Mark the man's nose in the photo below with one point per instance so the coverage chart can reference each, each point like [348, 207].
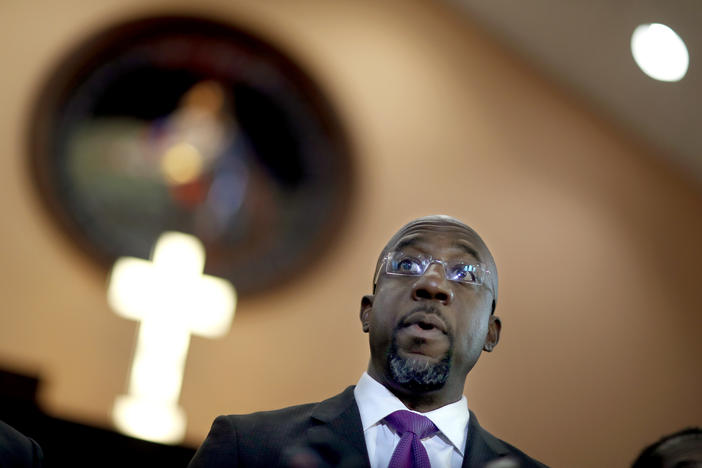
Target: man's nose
[433, 285]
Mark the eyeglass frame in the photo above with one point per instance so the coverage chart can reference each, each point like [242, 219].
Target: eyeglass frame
[426, 261]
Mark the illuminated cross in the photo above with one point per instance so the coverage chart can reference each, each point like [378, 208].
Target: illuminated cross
[172, 299]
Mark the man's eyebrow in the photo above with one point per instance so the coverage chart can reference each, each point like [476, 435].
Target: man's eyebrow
[410, 241]
[407, 242]
[469, 250]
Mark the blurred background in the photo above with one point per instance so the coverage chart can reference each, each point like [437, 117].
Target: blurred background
[331, 125]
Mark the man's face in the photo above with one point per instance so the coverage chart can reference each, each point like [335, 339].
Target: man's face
[427, 331]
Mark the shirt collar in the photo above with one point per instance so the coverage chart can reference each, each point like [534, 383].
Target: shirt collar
[375, 402]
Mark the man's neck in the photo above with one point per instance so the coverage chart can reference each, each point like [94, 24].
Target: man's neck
[422, 402]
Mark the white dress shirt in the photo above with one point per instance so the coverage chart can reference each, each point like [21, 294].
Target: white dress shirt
[375, 402]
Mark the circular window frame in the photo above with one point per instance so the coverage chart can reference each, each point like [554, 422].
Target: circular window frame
[73, 68]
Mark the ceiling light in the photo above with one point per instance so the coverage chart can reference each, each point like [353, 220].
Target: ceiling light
[659, 52]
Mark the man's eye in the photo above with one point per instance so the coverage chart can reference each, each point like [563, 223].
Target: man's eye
[463, 272]
[408, 265]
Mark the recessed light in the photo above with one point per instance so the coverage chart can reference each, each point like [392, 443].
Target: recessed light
[659, 52]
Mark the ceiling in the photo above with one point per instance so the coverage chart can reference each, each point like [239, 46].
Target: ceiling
[585, 46]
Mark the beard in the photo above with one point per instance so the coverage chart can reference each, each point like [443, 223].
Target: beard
[418, 375]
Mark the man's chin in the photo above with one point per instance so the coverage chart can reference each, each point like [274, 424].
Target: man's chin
[417, 372]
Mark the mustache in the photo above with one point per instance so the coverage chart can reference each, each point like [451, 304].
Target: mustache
[427, 309]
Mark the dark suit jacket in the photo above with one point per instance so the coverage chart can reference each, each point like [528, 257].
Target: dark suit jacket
[270, 438]
[17, 450]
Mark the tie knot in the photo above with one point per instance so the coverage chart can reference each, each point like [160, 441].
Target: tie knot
[406, 421]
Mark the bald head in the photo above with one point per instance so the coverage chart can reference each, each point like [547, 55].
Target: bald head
[443, 224]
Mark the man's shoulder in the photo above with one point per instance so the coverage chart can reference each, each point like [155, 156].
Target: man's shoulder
[481, 443]
[259, 439]
[290, 414]
[265, 418]
[525, 461]
[16, 449]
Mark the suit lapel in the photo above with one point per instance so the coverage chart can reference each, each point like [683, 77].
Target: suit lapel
[340, 416]
[481, 446]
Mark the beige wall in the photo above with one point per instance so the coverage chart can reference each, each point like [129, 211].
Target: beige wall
[598, 245]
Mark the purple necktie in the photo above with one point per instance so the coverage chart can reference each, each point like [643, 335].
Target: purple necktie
[412, 427]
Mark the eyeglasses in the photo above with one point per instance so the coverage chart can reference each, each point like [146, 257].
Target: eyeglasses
[402, 264]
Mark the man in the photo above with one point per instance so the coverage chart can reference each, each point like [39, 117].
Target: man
[430, 316]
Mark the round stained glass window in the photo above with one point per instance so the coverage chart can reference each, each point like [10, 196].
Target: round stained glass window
[191, 125]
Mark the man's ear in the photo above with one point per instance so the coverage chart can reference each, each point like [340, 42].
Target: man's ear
[493, 334]
[366, 307]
